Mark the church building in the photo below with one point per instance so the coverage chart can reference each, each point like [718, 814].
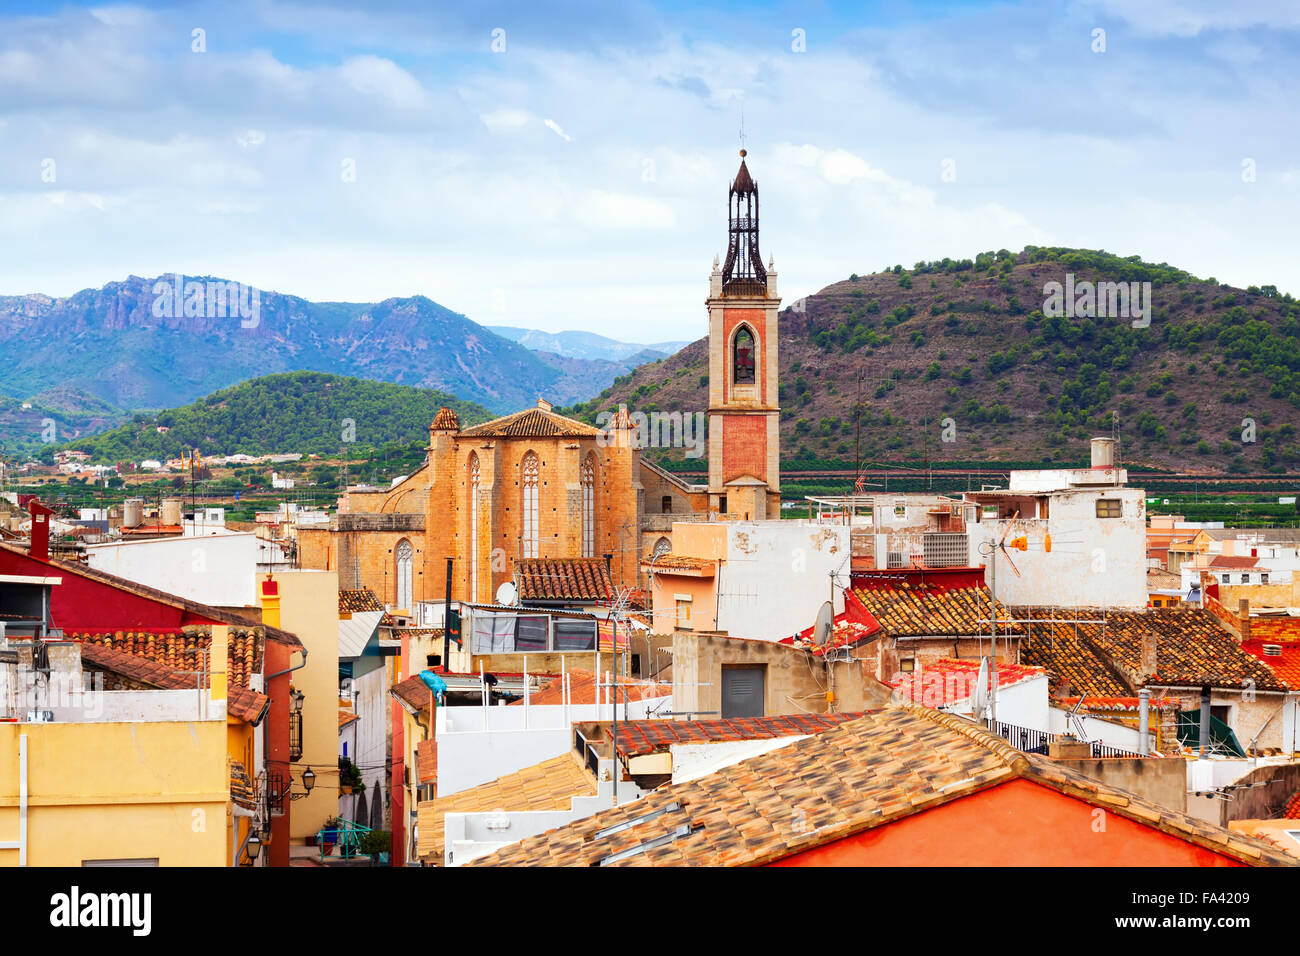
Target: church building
[539, 496]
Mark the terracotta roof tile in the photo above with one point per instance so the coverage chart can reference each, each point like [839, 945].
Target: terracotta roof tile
[949, 681]
[1105, 660]
[926, 611]
[563, 579]
[134, 667]
[862, 774]
[246, 705]
[550, 785]
[637, 737]
[446, 420]
[241, 786]
[414, 693]
[184, 649]
[356, 600]
[1233, 562]
[346, 717]
[532, 423]
[1285, 664]
[426, 761]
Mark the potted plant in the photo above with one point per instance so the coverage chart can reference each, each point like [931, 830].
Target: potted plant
[375, 845]
[330, 834]
[350, 777]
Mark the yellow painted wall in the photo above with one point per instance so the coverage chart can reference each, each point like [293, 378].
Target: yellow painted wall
[309, 608]
[118, 790]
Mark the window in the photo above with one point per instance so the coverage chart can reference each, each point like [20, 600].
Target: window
[473, 526]
[530, 470]
[900, 509]
[589, 507]
[684, 614]
[722, 504]
[1263, 579]
[743, 358]
[666, 504]
[1225, 578]
[907, 665]
[405, 559]
[1109, 508]
[1245, 579]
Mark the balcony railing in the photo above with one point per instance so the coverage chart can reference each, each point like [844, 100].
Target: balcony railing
[1037, 741]
[295, 736]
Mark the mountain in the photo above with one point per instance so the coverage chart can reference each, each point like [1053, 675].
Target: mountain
[968, 340]
[133, 347]
[287, 412]
[587, 345]
[57, 414]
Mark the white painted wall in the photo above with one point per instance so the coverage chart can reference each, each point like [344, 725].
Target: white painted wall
[1094, 562]
[776, 576]
[477, 745]
[692, 761]
[215, 569]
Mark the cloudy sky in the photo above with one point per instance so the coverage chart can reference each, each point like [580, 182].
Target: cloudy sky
[568, 170]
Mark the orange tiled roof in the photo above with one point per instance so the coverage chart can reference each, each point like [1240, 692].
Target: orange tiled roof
[1233, 562]
[346, 717]
[357, 600]
[550, 785]
[134, 667]
[1104, 660]
[676, 562]
[583, 690]
[414, 693]
[183, 649]
[241, 786]
[1292, 809]
[533, 423]
[244, 704]
[864, 774]
[446, 421]
[1285, 665]
[949, 680]
[426, 761]
[562, 579]
[649, 736]
[923, 611]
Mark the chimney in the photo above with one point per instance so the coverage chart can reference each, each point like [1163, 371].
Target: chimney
[1205, 723]
[40, 546]
[1148, 667]
[1243, 615]
[1069, 747]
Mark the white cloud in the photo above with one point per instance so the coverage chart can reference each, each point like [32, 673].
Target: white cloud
[604, 210]
[505, 119]
[555, 128]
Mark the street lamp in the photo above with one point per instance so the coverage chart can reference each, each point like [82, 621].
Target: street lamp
[296, 697]
[308, 779]
[253, 847]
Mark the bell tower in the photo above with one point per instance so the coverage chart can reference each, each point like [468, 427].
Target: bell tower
[744, 414]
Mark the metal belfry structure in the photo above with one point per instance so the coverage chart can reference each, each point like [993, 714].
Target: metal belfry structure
[743, 272]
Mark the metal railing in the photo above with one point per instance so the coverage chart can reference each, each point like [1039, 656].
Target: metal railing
[347, 836]
[1037, 741]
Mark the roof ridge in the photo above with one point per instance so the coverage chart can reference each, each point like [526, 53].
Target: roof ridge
[1013, 758]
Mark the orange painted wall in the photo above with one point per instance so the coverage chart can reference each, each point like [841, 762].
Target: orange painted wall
[1016, 824]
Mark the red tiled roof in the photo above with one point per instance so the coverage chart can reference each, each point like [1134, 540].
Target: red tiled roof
[648, 736]
[949, 681]
[426, 761]
[414, 692]
[355, 600]
[1285, 665]
[533, 423]
[905, 611]
[446, 420]
[134, 667]
[244, 704]
[183, 650]
[583, 690]
[1232, 561]
[863, 774]
[346, 717]
[1292, 809]
[562, 579]
[670, 563]
[1105, 660]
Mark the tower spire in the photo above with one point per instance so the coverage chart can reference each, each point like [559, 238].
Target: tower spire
[743, 273]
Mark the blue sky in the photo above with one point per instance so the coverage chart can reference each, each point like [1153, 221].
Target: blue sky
[576, 178]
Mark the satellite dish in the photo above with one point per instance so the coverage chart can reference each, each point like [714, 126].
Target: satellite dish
[980, 699]
[508, 594]
[825, 622]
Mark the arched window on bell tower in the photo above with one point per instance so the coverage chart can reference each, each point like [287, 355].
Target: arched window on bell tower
[589, 507]
[530, 476]
[475, 477]
[742, 357]
[405, 560]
